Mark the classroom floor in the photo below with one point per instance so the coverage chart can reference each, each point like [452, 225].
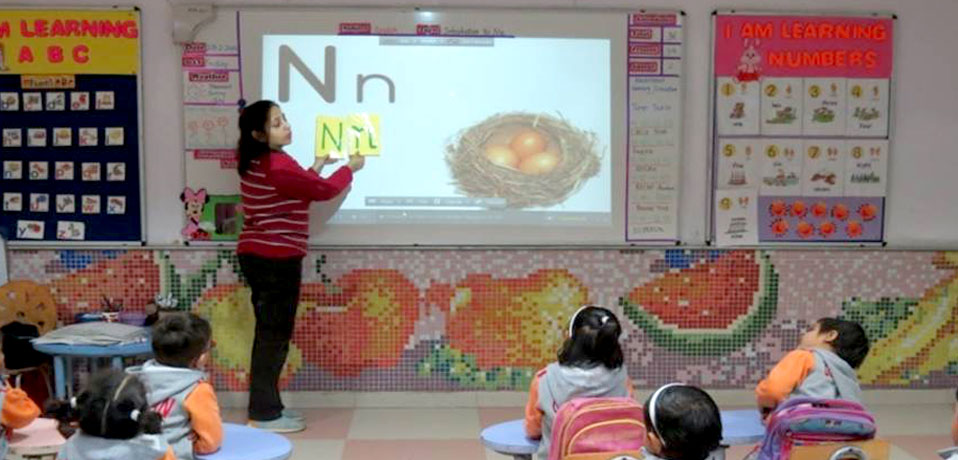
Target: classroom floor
[916, 432]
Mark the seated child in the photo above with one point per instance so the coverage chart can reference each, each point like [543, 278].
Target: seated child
[682, 423]
[823, 366]
[115, 421]
[590, 365]
[177, 388]
[17, 410]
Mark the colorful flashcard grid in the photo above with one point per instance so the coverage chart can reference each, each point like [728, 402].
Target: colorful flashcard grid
[801, 119]
[29, 185]
[654, 122]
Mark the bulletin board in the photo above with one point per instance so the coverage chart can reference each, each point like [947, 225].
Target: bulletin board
[800, 128]
[223, 68]
[70, 119]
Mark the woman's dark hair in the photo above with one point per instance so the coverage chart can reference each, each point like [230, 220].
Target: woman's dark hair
[112, 406]
[687, 421]
[594, 340]
[253, 117]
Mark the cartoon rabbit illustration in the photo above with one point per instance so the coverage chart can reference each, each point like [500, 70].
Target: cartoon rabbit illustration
[750, 64]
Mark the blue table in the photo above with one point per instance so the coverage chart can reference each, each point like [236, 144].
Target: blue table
[739, 427]
[241, 442]
[63, 354]
[509, 438]
[742, 427]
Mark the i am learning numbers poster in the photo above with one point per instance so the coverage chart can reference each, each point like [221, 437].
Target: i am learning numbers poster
[801, 127]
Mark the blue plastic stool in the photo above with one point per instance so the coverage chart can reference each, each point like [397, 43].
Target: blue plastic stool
[241, 442]
[63, 354]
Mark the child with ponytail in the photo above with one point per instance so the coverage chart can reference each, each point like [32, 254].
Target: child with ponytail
[114, 421]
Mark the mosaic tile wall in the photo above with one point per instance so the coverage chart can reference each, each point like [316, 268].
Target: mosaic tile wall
[468, 320]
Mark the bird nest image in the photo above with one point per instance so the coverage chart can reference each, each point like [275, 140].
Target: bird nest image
[526, 159]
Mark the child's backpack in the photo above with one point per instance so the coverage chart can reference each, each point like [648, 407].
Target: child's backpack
[803, 421]
[598, 429]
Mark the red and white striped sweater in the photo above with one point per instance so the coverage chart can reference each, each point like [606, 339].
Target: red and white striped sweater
[277, 192]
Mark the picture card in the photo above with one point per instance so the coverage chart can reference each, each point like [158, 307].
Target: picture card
[30, 229]
[66, 204]
[73, 231]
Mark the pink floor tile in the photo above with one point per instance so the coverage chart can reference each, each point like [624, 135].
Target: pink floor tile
[921, 446]
[326, 423]
[414, 450]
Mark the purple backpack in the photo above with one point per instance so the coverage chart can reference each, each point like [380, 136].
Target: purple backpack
[814, 421]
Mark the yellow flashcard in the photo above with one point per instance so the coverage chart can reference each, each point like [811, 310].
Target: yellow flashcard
[329, 137]
[364, 134]
[355, 134]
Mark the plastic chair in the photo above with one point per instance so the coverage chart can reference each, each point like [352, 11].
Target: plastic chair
[39, 440]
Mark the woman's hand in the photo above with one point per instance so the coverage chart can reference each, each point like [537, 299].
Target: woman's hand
[322, 161]
[356, 162]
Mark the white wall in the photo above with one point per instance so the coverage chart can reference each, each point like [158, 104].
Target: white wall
[921, 207]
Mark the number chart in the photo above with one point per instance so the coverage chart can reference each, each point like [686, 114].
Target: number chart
[800, 128]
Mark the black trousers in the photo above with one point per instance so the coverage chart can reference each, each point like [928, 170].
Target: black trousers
[275, 287]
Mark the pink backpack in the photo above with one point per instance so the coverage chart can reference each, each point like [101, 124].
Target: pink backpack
[814, 421]
[598, 429]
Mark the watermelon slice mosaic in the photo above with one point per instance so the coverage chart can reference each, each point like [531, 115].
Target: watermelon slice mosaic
[487, 319]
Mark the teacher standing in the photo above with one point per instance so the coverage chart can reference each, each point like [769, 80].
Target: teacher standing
[276, 197]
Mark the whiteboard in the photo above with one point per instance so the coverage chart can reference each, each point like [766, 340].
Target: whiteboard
[208, 167]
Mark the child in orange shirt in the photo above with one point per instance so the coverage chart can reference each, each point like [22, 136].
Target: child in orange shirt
[823, 366]
[115, 421]
[177, 387]
[590, 365]
[17, 410]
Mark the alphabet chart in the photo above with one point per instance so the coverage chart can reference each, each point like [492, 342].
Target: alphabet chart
[69, 112]
[800, 128]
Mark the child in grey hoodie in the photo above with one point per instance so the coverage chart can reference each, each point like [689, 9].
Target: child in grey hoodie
[682, 422]
[823, 366]
[115, 421]
[590, 365]
[177, 386]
